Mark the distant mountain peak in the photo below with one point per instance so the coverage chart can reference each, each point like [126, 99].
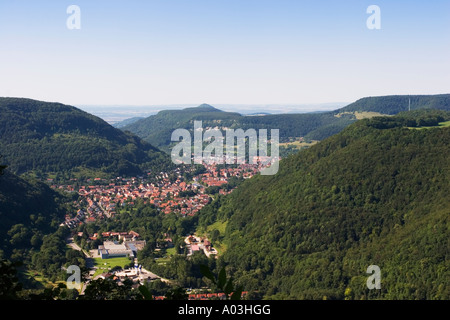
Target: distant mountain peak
[206, 106]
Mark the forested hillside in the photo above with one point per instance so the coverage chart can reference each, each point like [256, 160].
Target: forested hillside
[47, 137]
[28, 211]
[31, 239]
[395, 104]
[375, 194]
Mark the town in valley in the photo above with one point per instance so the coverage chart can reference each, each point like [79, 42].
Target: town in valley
[183, 191]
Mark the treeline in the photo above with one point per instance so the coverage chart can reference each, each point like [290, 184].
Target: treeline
[413, 119]
[367, 196]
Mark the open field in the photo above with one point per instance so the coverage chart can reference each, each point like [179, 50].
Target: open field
[104, 265]
[298, 144]
[171, 251]
[363, 114]
[219, 225]
[444, 124]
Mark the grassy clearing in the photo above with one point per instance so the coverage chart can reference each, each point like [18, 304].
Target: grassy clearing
[219, 225]
[363, 115]
[221, 247]
[299, 144]
[104, 265]
[218, 244]
[171, 251]
[32, 279]
[440, 125]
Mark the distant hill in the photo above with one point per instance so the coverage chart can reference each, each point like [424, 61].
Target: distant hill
[375, 194]
[257, 114]
[394, 104]
[126, 122]
[203, 108]
[157, 129]
[43, 137]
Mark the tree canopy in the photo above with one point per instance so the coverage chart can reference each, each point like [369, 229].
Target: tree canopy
[375, 194]
[47, 138]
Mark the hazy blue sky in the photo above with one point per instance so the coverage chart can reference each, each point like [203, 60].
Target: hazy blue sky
[222, 52]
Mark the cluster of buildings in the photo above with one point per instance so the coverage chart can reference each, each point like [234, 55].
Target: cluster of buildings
[194, 243]
[114, 249]
[102, 198]
[120, 244]
[204, 296]
[137, 274]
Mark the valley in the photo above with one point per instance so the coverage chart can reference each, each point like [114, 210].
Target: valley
[338, 203]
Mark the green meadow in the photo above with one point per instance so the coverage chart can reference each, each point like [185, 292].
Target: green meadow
[104, 265]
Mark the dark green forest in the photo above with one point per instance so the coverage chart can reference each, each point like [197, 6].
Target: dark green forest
[43, 138]
[375, 194]
[30, 214]
[28, 210]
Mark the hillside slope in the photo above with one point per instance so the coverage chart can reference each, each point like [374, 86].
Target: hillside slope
[51, 137]
[28, 210]
[375, 194]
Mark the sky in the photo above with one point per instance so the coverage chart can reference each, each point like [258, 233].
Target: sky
[165, 52]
